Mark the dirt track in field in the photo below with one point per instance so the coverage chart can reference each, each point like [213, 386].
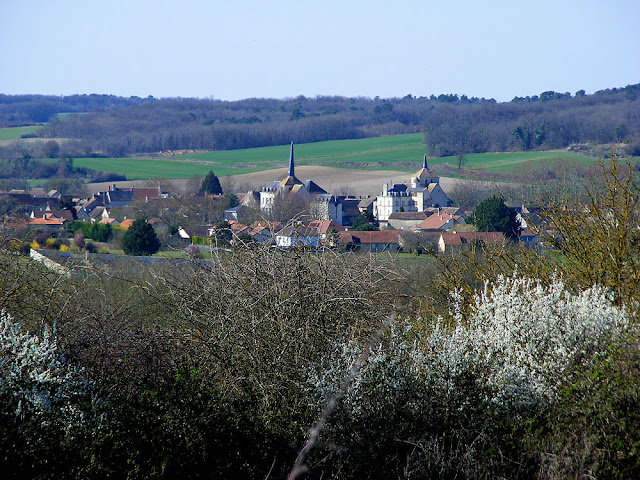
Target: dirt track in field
[338, 181]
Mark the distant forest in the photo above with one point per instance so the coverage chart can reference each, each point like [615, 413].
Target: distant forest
[116, 126]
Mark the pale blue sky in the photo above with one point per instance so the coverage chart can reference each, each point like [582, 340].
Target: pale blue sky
[271, 48]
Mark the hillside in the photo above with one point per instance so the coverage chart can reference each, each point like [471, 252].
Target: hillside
[452, 124]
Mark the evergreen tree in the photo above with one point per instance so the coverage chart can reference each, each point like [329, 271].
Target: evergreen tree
[211, 184]
[140, 239]
[233, 200]
[493, 215]
[365, 222]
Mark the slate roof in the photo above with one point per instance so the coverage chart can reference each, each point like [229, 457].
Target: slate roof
[119, 196]
[313, 188]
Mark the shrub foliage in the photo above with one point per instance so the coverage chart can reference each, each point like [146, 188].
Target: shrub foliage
[503, 363]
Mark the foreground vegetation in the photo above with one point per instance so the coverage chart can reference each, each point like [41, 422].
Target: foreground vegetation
[494, 363]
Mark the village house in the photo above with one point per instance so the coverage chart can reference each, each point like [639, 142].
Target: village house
[440, 221]
[297, 236]
[116, 197]
[375, 241]
[67, 215]
[406, 220]
[449, 242]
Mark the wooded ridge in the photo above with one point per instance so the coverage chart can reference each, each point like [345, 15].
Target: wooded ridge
[452, 124]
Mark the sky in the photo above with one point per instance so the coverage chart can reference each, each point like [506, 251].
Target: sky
[239, 49]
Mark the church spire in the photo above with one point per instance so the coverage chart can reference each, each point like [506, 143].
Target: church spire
[424, 163]
[291, 166]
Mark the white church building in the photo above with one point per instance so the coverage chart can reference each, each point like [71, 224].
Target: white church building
[321, 204]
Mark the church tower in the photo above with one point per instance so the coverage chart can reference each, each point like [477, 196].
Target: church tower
[424, 177]
[291, 175]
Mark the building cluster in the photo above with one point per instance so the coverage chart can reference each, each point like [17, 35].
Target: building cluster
[412, 216]
[401, 210]
[39, 209]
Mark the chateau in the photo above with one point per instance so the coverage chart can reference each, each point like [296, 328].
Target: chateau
[423, 192]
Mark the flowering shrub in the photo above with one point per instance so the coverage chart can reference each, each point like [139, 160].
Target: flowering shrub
[527, 335]
[34, 373]
[520, 337]
[440, 385]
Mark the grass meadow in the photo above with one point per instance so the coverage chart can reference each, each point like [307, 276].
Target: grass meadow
[14, 133]
[397, 152]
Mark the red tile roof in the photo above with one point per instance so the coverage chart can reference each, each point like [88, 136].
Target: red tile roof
[46, 221]
[437, 222]
[141, 194]
[325, 226]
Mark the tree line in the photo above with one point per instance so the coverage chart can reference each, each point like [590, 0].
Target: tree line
[18, 110]
[452, 124]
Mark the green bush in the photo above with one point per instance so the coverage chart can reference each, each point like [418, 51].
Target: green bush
[99, 232]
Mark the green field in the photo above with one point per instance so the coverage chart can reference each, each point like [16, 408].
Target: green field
[397, 152]
[13, 133]
[138, 168]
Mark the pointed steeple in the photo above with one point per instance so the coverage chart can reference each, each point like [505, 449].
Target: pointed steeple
[424, 163]
[291, 176]
[291, 165]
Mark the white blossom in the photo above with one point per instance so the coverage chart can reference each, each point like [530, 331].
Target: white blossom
[34, 373]
[518, 343]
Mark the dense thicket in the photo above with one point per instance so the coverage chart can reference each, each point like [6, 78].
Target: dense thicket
[452, 124]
